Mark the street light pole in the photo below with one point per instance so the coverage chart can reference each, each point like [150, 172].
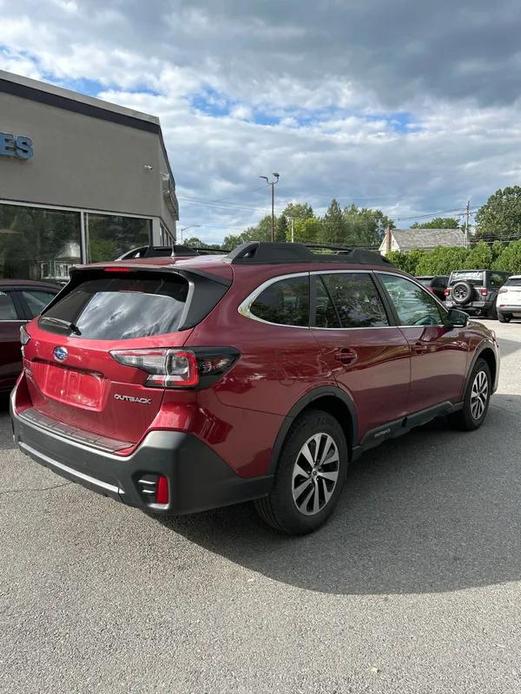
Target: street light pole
[192, 226]
[272, 183]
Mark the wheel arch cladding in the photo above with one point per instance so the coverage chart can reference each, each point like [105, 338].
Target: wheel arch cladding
[331, 400]
[488, 355]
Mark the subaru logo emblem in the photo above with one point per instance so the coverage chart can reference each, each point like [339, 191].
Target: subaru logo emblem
[60, 353]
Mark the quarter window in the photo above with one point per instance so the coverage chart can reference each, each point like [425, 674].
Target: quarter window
[413, 305]
[285, 302]
[356, 300]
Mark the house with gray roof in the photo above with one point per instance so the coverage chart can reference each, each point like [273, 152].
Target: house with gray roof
[421, 239]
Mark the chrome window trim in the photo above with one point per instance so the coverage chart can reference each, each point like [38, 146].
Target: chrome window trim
[244, 308]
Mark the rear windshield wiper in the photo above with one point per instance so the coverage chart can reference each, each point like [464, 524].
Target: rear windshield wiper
[59, 321]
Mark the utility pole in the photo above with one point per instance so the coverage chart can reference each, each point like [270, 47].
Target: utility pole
[292, 229]
[182, 229]
[467, 216]
[272, 183]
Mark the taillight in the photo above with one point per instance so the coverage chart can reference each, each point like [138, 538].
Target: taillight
[178, 368]
[446, 292]
[503, 290]
[483, 291]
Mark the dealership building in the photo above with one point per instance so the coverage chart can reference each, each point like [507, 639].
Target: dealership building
[81, 180]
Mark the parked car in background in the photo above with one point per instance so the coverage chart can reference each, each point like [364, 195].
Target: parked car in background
[475, 291]
[509, 300]
[20, 300]
[182, 384]
[436, 284]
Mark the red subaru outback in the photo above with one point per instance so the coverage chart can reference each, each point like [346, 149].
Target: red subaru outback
[181, 385]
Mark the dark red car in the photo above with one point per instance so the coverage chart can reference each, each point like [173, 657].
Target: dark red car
[20, 300]
[182, 385]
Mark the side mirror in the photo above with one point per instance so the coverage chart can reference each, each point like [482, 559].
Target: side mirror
[457, 318]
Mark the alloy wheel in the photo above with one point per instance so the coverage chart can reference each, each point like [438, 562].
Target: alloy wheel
[479, 395]
[315, 474]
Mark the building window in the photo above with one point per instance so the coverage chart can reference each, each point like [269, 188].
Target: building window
[109, 236]
[37, 243]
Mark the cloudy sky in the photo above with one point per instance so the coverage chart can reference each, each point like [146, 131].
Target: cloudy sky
[412, 107]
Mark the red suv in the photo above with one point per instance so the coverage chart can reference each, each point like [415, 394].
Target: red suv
[177, 385]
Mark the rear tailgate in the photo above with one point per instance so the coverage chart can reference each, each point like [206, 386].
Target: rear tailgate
[71, 374]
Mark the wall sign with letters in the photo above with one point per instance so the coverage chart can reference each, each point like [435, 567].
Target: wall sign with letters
[16, 146]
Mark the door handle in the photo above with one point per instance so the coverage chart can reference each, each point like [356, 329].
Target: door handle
[346, 356]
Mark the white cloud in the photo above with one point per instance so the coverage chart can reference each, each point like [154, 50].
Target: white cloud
[410, 111]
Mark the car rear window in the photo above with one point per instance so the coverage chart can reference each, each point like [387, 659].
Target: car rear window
[119, 308]
[513, 282]
[472, 276]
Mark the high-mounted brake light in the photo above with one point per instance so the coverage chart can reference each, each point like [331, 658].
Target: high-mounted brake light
[177, 368]
[117, 269]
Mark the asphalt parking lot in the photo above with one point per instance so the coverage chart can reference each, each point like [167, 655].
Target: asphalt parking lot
[414, 586]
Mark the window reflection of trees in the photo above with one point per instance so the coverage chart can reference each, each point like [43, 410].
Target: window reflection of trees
[356, 299]
[413, 305]
[285, 302]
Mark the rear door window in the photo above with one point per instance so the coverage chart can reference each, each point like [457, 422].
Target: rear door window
[513, 282]
[285, 302]
[120, 308]
[356, 299]
[7, 307]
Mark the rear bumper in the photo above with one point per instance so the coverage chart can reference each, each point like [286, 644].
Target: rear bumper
[198, 479]
[516, 310]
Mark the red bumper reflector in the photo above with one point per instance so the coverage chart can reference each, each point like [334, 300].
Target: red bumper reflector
[162, 495]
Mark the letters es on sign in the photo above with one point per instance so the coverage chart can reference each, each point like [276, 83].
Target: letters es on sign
[16, 146]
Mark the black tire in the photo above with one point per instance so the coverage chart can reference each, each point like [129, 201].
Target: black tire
[462, 293]
[504, 317]
[466, 419]
[492, 313]
[280, 509]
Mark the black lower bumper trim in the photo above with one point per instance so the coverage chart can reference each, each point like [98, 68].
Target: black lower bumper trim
[198, 478]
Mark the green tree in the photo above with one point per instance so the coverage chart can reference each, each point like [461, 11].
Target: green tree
[437, 223]
[479, 256]
[333, 227]
[500, 217]
[442, 261]
[307, 230]
[193, 242]
[281, 228]
[365, 227]
[408, 262]
[510, 258]
[298, 210]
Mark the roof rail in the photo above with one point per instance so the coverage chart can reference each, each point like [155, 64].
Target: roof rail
[266, 253]
[175, 251]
